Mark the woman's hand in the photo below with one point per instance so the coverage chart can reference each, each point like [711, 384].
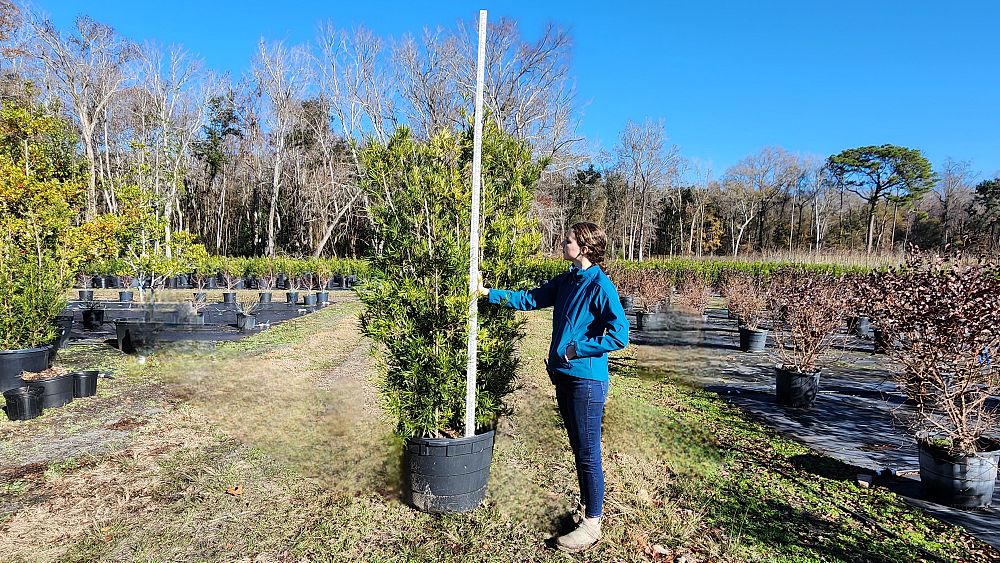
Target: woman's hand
[482, 291]
[570, 352]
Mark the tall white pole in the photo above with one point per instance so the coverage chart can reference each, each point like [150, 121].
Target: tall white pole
[477, 168]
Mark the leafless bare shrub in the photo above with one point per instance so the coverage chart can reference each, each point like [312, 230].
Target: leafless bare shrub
[944, 316]
[807, 309]
[747, 296]
[653, 289]
[695, 292]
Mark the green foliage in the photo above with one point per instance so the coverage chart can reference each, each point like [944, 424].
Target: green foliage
[885, 172]
[417, 295]
[41, 185]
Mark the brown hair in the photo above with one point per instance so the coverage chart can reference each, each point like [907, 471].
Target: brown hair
[594, 238]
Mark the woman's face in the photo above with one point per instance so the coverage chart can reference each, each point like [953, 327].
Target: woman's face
[571, 250]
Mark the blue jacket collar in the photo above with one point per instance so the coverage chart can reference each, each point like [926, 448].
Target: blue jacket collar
[587, 274]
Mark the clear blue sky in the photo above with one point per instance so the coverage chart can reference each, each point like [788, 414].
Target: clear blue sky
[727, 77]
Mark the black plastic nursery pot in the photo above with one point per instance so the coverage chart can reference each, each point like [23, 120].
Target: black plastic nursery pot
[65, 325]
[85, 383]
[309, 299]
[628, 302]
[652, 321]
[962, 481]
[292, 296]
[796, 389]
[445, 474]
[245, 323]
[229, 297]
[93, 319]
[322, 297]
[859, 326]
[23, 403]
[56, 391]
[100, 282]
[125, 296]
[264, 296]
[752, 339]
[137, 336]
[86, 295]
[13, 362]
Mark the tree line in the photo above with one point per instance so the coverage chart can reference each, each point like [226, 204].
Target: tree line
[267, 162]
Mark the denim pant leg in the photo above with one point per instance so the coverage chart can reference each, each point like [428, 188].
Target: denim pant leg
[581, 404]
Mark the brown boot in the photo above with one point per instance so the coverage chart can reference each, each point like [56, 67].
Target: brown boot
[582, 538]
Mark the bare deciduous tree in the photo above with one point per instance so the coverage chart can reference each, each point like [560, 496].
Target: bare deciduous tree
[87, 69]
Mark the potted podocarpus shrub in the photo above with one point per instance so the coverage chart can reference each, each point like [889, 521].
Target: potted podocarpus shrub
[654, 289]
[944, 316]
[807, 310]
[747, 297]
[417, 299]
[32, 285]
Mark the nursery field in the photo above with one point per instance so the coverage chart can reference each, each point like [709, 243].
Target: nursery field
[273, 448]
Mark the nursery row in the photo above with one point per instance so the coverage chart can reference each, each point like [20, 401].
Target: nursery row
[230, 272]
[935, 318]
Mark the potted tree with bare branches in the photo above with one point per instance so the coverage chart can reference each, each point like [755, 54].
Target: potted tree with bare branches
[747, 297]
[944, 316]
[695, 293]
[654, 289]
[806, 311]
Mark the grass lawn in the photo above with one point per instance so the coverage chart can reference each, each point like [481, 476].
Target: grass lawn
[273, 449]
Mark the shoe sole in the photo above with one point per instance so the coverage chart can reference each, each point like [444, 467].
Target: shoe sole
[566, 549]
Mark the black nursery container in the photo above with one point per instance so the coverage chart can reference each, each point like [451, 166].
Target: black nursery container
[93, 319]
[292, 296]
[85, 383]
[229, 297]
[23, 403]
[447, 475]
[264, 296]
[13, 362]
[796, 389]
[56, 391]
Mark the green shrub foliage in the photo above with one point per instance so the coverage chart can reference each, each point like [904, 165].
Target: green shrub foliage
[417, 294]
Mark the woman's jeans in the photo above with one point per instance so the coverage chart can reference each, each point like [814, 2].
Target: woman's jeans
[581, 404]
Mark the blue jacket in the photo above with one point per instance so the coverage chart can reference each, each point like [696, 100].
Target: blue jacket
[586, 314]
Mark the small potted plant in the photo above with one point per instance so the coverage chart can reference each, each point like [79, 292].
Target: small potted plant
[747, 297]
[85, 283]
[806, 310]
[246, 319]
[323, 270]
[193, 312]
[654, 289]
[943, 314]
[695, 293]
[232, 275]
[93, 315]
[626, 278]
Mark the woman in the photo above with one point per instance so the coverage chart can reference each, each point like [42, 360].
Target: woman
[587, 322]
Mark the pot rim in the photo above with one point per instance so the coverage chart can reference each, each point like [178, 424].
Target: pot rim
[26, 350]
[794, 370]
